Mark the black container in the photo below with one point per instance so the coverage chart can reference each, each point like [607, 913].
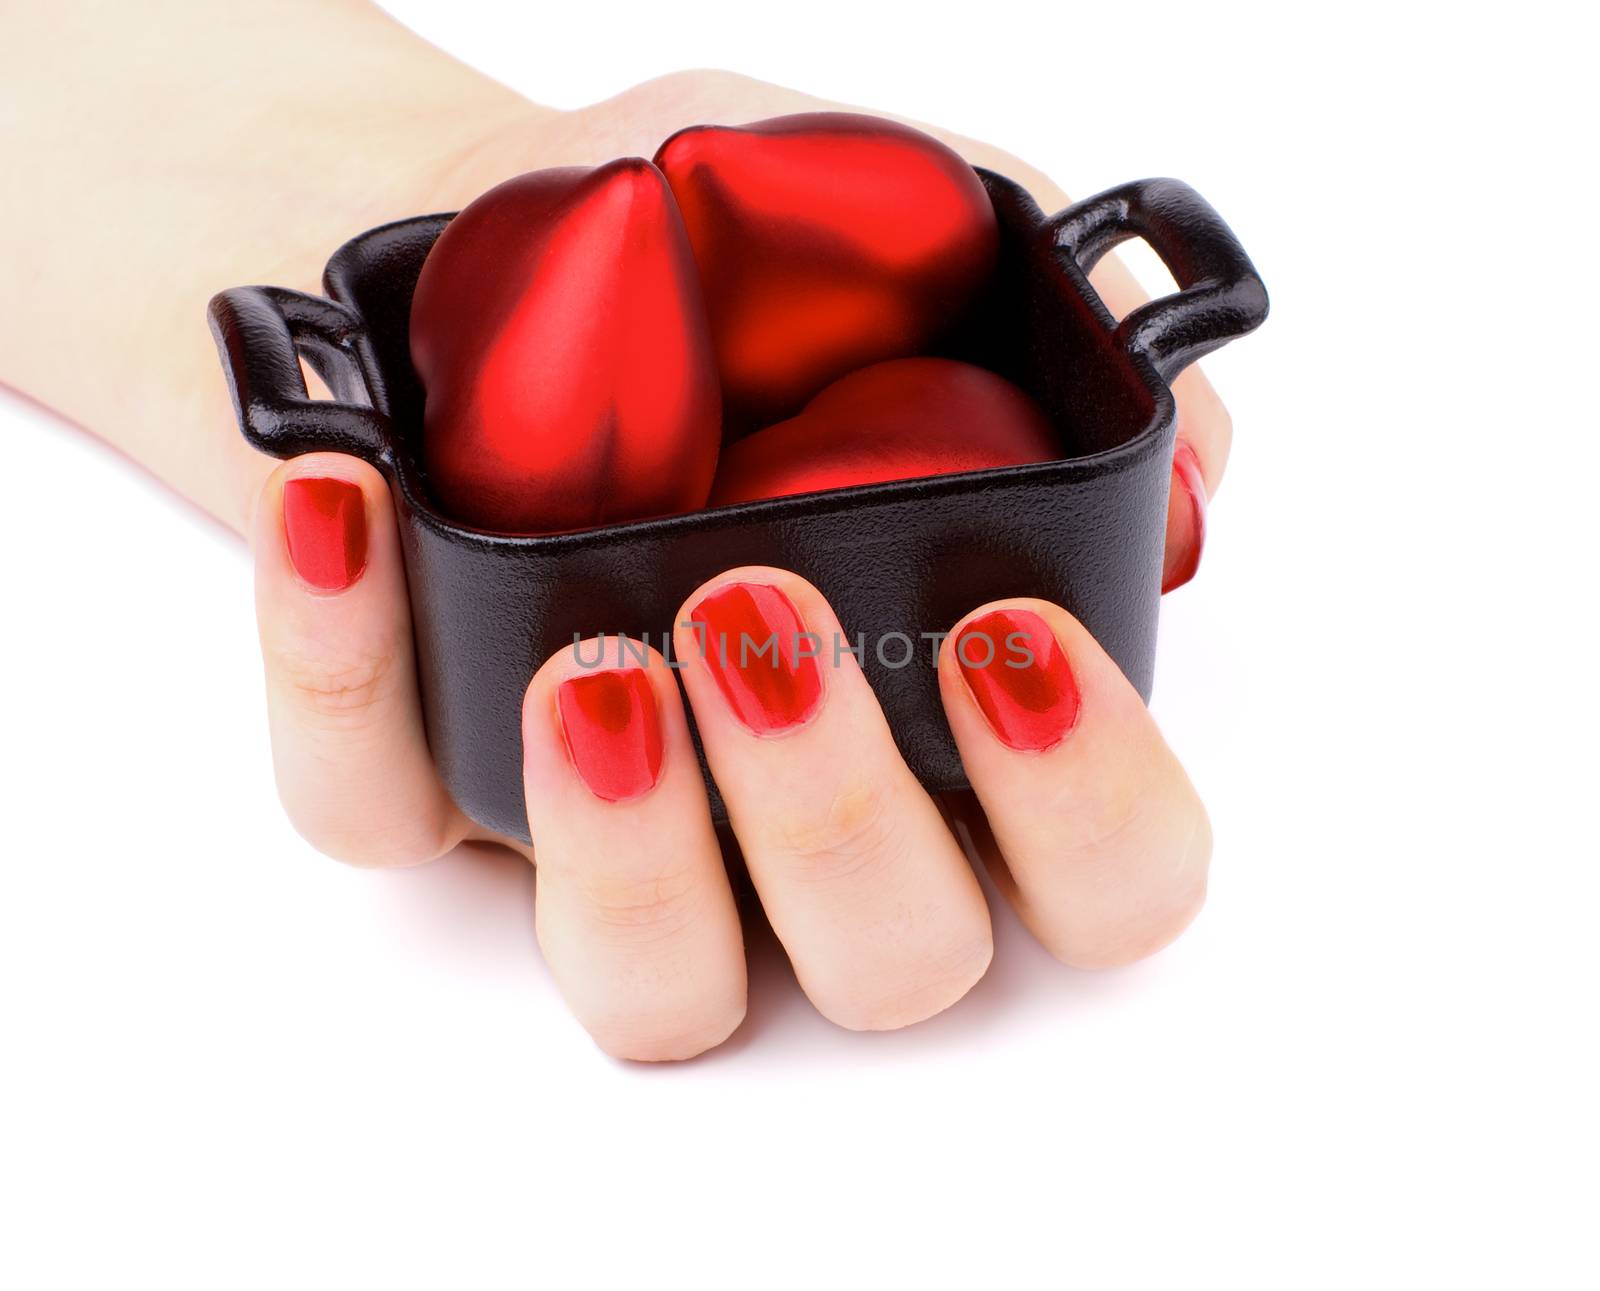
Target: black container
[907, 557]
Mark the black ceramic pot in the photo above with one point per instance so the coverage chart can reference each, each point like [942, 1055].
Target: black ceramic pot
[908, 557]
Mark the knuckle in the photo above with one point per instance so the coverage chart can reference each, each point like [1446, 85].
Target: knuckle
[367, 841]
[1221, 421]
[1105, 825]
[688, 95]
[1092, 826]
[1202, 405]
[1139, 877]
[654, 907]
[340, 690]
[1205, 421]
[856, 833]
[703, 83]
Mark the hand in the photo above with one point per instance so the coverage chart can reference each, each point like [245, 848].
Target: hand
[1098, 839]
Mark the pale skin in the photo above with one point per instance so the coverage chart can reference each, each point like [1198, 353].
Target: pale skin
[167, 158]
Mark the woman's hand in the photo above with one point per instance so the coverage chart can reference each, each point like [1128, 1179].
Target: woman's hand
[1097, 836]
[1099, 839]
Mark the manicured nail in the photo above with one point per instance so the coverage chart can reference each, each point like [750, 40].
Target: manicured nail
[1019, 675]
[1186, 519]
[325, 523]
[612, 730]
[764, 661]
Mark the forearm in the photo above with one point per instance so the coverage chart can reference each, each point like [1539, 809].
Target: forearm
[158, 153]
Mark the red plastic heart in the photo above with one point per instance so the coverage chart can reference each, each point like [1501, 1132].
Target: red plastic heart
[561, 339]
[826, 242]
[892, 421]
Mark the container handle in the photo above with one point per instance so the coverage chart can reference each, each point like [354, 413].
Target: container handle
[1221, 295]
[261, 333]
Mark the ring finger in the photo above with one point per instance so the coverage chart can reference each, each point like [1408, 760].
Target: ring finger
[1103, 843]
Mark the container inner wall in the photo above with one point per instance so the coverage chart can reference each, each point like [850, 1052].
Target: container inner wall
[1039, 324]
[899, 560]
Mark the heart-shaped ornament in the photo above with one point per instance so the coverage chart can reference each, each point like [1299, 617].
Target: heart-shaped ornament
[891, 421]
[560, 336]
[826, 242]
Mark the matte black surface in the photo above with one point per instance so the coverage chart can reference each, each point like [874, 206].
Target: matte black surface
[908, 557]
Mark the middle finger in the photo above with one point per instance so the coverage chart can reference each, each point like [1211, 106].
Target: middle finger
[865, 886]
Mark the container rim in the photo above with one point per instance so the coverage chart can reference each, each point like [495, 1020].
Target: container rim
[398, 462]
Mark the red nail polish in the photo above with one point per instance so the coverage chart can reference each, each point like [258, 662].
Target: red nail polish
[612, 730]
[764, 662]
[1186, 519]
[325, 524]
[1019, 675]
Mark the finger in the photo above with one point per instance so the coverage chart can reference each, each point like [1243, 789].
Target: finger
[1186, 519]
[866, 888]
[348, 746]
[1104, 840]
[634, 912]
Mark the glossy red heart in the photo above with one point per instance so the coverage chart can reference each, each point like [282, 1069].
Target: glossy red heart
[890, 421]
[826, 242]
[561, 339]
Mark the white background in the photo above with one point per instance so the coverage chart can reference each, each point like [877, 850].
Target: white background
[232, 1063]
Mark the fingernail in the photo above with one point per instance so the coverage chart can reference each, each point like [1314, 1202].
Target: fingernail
[1019, 675]
[325, 523]
[763, 660]
[612, 730]
[1186, 519]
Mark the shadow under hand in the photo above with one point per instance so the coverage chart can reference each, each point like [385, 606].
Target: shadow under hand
[473, 909]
